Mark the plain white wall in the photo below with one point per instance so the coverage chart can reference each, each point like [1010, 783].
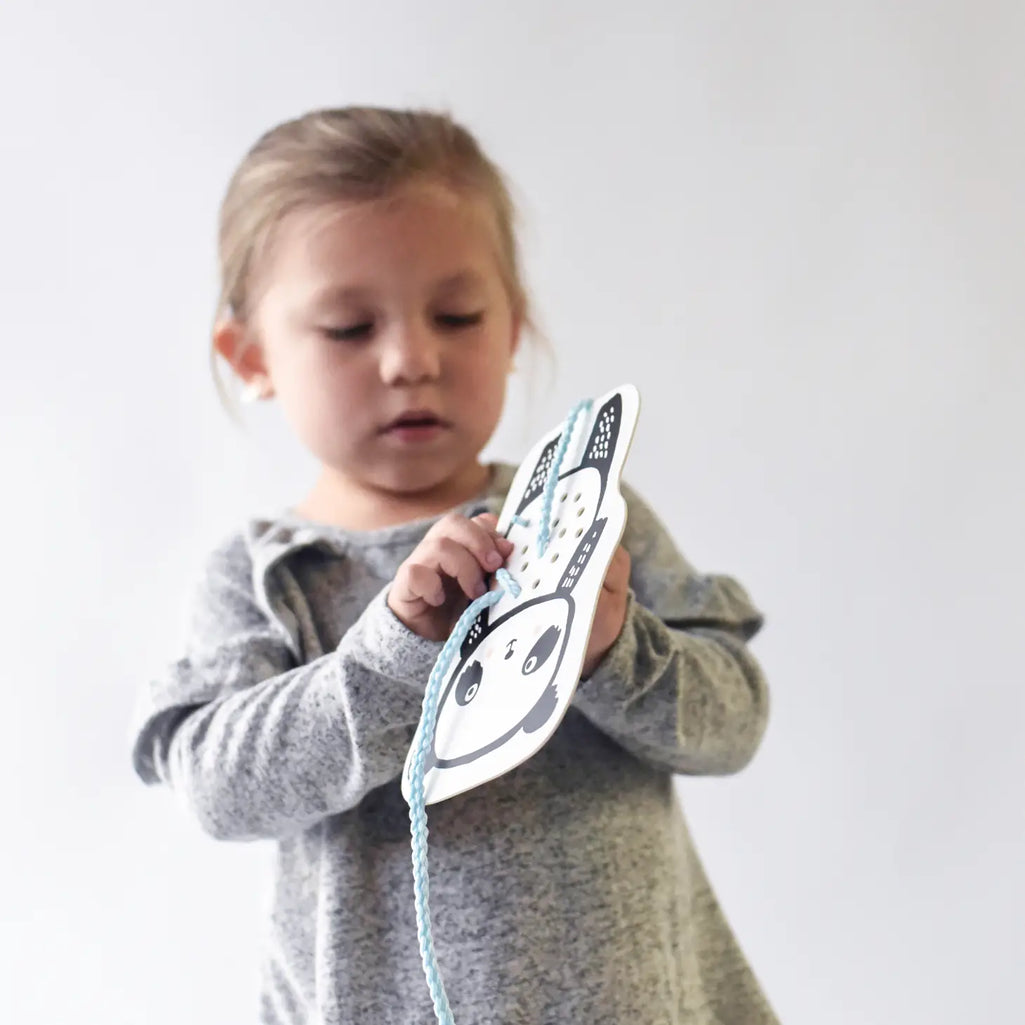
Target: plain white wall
[797, 227]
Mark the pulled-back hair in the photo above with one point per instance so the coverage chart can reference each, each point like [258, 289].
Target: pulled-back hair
[344, 154]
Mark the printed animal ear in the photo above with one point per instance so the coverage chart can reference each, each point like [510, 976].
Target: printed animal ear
[476, 634]
[540, 474]
[581, 556]
[602, 443]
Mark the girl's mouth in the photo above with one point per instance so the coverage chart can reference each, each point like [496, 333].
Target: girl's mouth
[416, 431]
[416, 425]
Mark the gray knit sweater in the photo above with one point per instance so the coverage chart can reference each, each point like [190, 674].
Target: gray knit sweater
[566, 890]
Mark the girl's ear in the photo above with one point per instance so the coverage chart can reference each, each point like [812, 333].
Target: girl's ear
[232, 340]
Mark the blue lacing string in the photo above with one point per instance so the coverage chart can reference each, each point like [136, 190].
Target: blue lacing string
[544, 534]
[428, 716]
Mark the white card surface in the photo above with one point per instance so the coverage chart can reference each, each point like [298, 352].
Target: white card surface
[509, 685]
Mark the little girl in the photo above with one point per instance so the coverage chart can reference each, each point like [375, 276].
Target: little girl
[371, 285]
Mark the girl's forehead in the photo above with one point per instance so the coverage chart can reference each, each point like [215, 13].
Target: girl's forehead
[436, 208]
[449, 238]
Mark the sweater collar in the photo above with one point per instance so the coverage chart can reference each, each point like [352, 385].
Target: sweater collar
[273, 535]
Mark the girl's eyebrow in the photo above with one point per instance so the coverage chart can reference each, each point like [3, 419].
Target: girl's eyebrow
[331, 294]
[463, 277]
[352, 293]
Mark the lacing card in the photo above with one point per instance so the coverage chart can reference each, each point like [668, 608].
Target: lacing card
[508, 685]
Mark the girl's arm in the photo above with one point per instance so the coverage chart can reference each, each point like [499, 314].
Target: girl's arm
[679, 687]
[259, 746]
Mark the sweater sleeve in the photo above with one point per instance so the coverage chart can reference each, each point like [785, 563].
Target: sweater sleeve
[257, 746]
[679, 687]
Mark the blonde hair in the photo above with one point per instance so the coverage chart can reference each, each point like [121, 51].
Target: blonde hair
[352, 153]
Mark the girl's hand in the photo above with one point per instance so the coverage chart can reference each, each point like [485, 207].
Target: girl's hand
[610, 614]
[445, 572]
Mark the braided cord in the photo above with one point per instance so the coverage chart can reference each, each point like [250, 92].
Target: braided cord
[428, 721]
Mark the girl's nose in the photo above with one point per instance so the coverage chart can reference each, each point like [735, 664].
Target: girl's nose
[410, 354]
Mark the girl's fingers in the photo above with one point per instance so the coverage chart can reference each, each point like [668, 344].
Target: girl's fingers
[457, 548]
[477, 536]
[423, 584]
[617, 577]
[502, 543]
[456, 561]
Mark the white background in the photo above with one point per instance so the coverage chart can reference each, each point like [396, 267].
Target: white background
[796, 227]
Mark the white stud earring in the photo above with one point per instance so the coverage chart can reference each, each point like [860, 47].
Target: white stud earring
[255, 389]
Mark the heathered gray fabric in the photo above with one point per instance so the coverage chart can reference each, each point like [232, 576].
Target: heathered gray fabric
[567, 890]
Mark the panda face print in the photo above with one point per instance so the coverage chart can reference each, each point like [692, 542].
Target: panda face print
[468, 681]
[494, 696]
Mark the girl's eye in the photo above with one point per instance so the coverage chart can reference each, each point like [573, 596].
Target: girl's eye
[452, 321]
[348, 333]
[458, 320]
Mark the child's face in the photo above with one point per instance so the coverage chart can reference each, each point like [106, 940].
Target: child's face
[407, 335]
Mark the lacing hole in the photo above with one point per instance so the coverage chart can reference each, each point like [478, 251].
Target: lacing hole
[536, 582]
[576, 497]
[579, 532]
[523, 568]
[564, 494]
[580, 511]
[562, 533]
[555, 557]
[523, 550]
